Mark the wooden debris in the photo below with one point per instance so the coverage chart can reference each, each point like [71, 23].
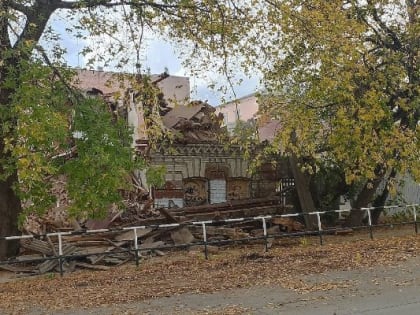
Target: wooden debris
[49, 265]
[23, 258]
[89, 266]
[129, 235]
[344, 231]
[37, 246]
[168, 215]
[152, 245]
[17, 269]
[99, 251]
[182, 236]
[288, 224]
[226, 232]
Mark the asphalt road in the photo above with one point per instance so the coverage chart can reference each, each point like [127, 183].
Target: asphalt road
[381, 291]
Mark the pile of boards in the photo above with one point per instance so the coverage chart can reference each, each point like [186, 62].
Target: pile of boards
[194, 123]
[116, 247]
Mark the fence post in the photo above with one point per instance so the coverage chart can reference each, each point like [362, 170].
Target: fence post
[136, 246]
[415, 218]
[60, 254]
[318, 217]
[265, 233]
[369, 222]
[206, 254]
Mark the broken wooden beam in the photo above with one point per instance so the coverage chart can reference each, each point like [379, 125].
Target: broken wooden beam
[49, 265]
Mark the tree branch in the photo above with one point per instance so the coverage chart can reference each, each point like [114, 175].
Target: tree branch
[57, 73]
[36, 21]
[110, 3]
[4, 36]
[19, 7]
[396, 41]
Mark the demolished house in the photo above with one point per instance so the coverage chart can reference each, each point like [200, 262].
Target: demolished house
[199, 168]
[206, 178]
[202, 168]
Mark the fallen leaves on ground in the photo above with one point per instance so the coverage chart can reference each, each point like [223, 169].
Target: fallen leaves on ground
[182, 272]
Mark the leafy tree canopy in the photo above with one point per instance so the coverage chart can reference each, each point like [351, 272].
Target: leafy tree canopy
[44, 118]
[342, 76]
[344, 81]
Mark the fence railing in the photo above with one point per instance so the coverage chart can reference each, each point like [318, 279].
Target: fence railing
[136, 249]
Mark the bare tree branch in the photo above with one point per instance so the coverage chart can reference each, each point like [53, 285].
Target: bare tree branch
[77, 96]
[388, 31]
[19, 7]
[37, 19]
[111, 3]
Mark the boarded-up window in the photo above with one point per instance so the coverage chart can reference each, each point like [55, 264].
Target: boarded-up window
[217, 190]
[238, 188]
[195, 191]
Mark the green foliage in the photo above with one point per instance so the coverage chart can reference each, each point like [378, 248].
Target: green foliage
[341, 76]
[104, 159]
[327, 185]
[344, 82]
[156, 176]
[49, 124]
[48, 128]
[36, 126]
[245, 134]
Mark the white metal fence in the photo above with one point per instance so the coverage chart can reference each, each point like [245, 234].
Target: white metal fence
[412, 209]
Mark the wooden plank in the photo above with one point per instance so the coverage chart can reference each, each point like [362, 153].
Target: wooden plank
[94, 259]
[90, 237]
[37, 246]
[230, 205]
[23, 258]
[93, 250]
[239, 213]
[129, 235]
[289, 224]
[18, 269]
[152, 245]
[182, 236]
[87, 243]
[94, 267]
[168, 215]
[49, 265]
[233, 233]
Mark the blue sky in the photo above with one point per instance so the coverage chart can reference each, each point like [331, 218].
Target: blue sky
[158, 56]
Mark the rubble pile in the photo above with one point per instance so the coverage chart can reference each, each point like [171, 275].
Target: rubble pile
[115, 247]
[194, 123]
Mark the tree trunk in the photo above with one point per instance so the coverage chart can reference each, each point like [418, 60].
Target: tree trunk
[302, 184]
[10, 205]
[380, 200]
[363, 199]
[10, 208]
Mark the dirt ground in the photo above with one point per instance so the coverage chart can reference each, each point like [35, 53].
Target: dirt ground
[235, 280]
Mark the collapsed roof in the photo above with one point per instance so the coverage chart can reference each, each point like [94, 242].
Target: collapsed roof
[194, 123]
